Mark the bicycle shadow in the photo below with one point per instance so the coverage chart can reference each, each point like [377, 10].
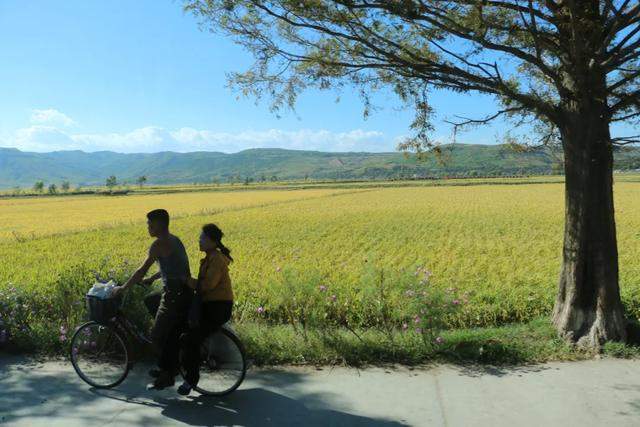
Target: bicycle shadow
[251, 406]
[50, 393]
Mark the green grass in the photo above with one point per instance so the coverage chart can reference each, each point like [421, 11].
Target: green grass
[515, 344]
[531, 342]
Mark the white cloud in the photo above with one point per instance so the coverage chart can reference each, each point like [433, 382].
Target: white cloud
[51, 117]
[304, 139]
[40, 138]
[154, 139]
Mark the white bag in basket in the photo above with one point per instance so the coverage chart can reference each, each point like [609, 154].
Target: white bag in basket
[102, 290]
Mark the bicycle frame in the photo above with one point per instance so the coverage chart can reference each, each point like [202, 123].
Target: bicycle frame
[130, 329]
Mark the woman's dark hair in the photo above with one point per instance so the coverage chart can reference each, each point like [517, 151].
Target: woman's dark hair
[214, 233]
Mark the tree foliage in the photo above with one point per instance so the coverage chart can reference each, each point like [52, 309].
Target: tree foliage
[38, 187]
[535, 57]
[111, 182]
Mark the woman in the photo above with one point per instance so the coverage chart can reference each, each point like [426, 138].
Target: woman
[214, 285]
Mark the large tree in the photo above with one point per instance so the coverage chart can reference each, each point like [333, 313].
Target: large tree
[569, 66]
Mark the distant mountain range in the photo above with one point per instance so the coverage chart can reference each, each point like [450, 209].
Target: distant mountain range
[18, 168]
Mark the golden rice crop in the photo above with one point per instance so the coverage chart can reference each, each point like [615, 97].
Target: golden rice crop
[499, 243]
[27, 218]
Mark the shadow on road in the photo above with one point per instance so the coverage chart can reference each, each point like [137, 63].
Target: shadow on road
[247, 407]
[634, 404]
[475, 370]
[31, 392]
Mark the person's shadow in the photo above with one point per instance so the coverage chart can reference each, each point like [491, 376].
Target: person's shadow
[253, 406]
[259, 407]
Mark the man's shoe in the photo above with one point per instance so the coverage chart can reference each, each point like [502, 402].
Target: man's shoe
[184, 389]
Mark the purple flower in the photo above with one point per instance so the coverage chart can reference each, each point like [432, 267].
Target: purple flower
[260, 310]
[416, 319]
[93, 343]
[63, 330]
[333, 297]
[455, 302]
[439, 340]
[62, 338]
[405, 326]
[419, 330]
[322, 288]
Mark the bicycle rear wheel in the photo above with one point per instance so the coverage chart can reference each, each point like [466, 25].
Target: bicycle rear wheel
[99, 355]
[223, 366]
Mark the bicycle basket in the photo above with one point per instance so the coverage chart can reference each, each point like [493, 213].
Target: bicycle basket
[102, 310]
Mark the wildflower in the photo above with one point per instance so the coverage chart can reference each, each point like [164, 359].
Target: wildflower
[63, 330]
[405, 326]
[455, 302]
[333, 297]
[409, 293]
[278, 268]
[416, 319]
[439, 340]
[260, 310]
[419, 330]
[322, 288]
[63, 338]
[93, 343]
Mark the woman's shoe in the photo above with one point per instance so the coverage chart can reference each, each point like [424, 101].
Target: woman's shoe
[184, 389]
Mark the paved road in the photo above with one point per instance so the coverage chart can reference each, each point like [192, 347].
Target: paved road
[594, 393]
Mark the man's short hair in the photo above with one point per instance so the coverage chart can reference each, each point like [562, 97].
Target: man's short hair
[159, 215]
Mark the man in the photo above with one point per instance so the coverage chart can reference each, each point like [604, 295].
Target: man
[174, 300]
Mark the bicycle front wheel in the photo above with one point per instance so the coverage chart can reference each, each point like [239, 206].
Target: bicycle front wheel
[99, 355]
[223, 364]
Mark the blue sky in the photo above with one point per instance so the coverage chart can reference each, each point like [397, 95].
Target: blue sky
[140, 76]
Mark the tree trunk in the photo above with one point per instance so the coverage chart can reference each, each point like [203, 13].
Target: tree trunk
[588, 309]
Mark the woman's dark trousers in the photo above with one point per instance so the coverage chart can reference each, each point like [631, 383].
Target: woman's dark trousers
[214, 315]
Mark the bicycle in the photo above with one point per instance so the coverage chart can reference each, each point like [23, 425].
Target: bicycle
[101, 351]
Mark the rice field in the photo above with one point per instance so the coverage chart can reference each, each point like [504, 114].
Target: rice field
[497, 245]
[34, 217]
